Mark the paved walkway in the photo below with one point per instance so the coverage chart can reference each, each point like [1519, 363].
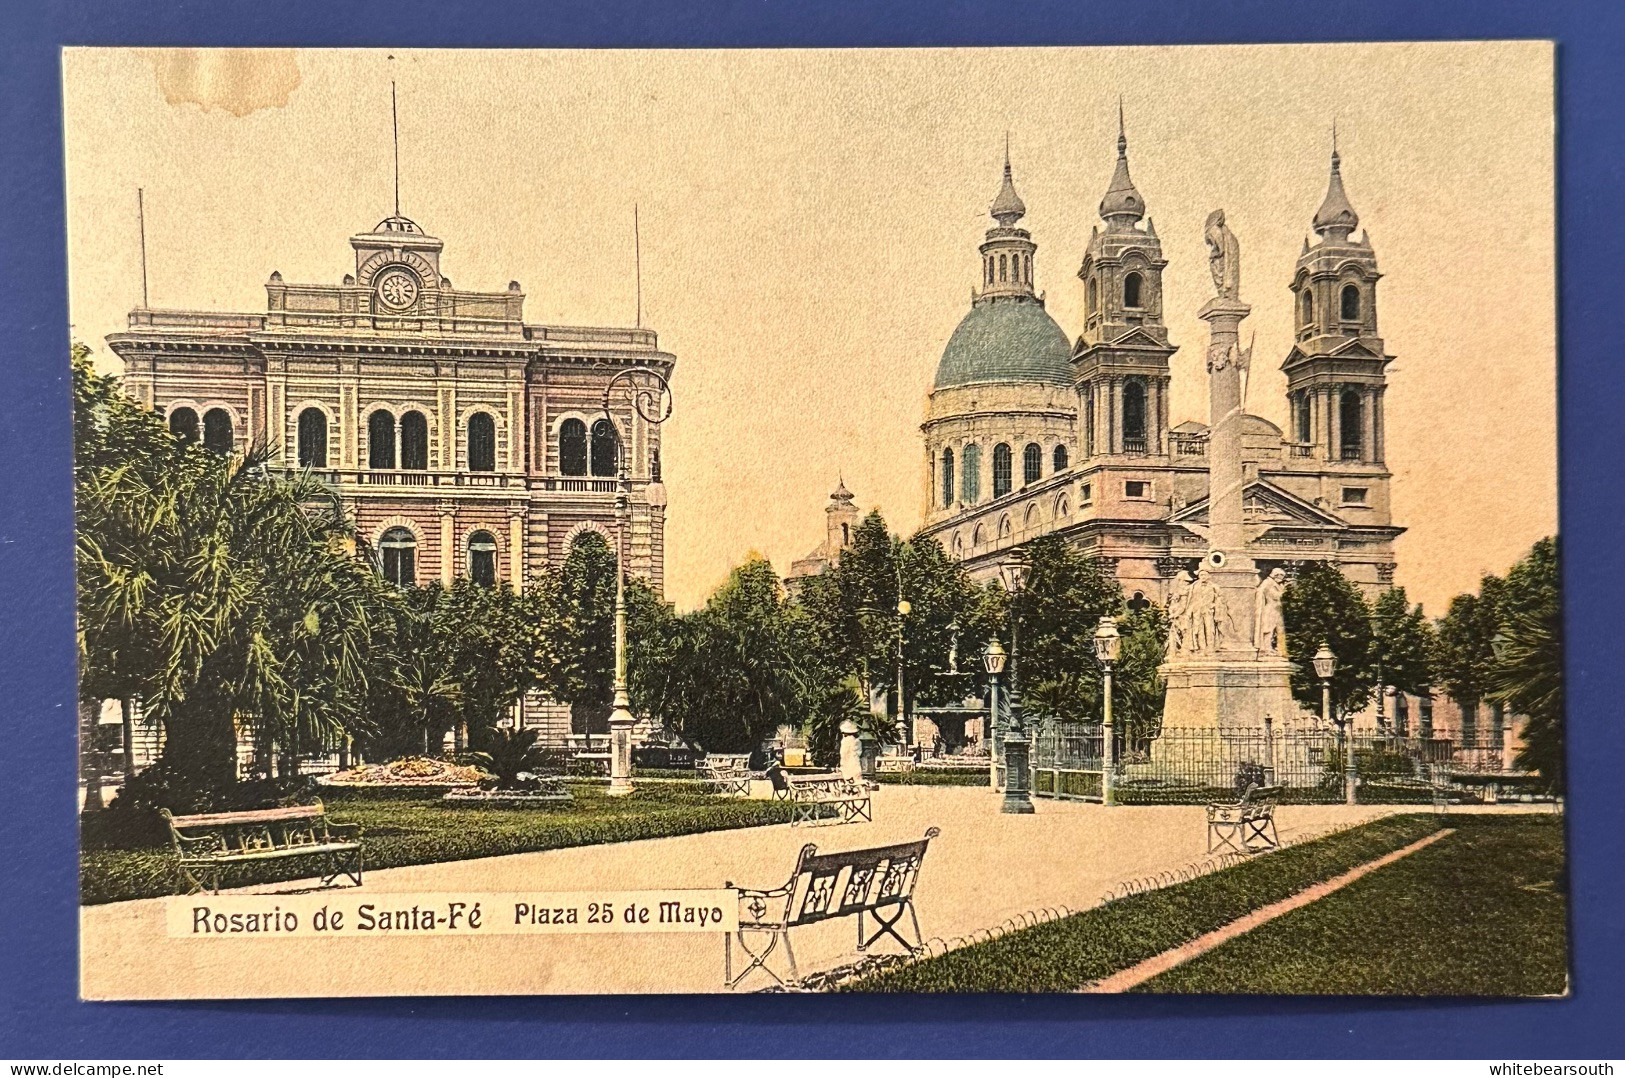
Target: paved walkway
[986, 867]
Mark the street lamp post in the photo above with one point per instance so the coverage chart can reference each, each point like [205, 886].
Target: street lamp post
[1108, 645]
[653, 404]
[993, 660]
[903, 610]
[1017, 762]
[1325, 664]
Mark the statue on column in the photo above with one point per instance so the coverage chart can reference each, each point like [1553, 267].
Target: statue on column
[1224, 256]
[1269, 630]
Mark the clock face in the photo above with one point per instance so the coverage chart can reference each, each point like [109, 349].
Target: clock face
[397, 289]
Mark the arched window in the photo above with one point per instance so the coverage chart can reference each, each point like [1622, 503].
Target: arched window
[482, 557]
[1094, 295]
[312, 438]
[1032, 463]
[976, 539]
[1060, 458]
[573, 447]
[217, 431]
[1027, 268]
[1131, 290]
[399, 552]
[988, 270]
[947, 478]
[183, 424]
[1308, 305]
[1133, 416]
[1300, 409]
[605, 448]
[381, 439]
[415, 442]
[1351, 303]
[1004, 268]
[1351, 417]
[970, 481]
[1001, 470]
[482, 443]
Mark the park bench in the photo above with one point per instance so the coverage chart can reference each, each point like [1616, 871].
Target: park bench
[809, 795]
[206, 844]
[878, 882]
[727, 773]
[1248, 825]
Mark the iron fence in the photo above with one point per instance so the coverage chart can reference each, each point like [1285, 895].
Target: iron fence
[1305, 759]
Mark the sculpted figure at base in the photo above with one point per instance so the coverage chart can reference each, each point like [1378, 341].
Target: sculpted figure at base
[1269, 630]
[1179, 615]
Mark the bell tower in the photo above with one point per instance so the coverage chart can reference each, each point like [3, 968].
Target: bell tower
[1336, 369]
[1120, 362]
[1007, 253]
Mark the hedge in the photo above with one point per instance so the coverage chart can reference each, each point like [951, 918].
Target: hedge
[125, 863]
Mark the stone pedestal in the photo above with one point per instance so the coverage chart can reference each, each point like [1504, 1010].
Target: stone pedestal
[851, 752]
[620, 750]
[1227, 693]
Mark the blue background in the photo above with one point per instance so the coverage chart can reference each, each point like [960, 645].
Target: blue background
[38, 924]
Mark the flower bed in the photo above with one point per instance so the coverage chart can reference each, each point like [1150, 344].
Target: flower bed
[421, 773]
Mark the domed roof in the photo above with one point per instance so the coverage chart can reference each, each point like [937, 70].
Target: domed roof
[1006, 340]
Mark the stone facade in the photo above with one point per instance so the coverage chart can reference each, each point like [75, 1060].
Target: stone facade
[1118, 477]
[465, 441]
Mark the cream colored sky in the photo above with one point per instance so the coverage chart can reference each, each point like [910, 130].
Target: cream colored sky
[810, 222]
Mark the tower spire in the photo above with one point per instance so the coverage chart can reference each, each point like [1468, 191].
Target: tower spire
[1336, 217]
[1122, 205]
[1007, 206]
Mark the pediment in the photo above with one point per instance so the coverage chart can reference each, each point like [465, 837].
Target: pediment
[1264, 503]
[1138, 338]
[1356, 350]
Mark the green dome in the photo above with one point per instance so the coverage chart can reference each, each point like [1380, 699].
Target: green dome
[1006, 340]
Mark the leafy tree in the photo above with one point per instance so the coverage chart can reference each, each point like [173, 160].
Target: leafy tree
[854, 624]
[1528, 672]
[1323, 606]
[1137, 688]
[572, 610]
[1464, 655]
[218, 592]
[728, 675]
[418, 691]
[1403, 643]
[1054, 625]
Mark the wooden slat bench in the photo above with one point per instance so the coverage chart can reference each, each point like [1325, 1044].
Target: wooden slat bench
[1248, 825]
[727, 773]
[809, 795]
[878, 882]
[206, 844]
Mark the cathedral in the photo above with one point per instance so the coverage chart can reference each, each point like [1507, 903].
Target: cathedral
[1029, 434]
[465, 441]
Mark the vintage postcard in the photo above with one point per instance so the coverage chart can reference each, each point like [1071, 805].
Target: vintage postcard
[952, 520]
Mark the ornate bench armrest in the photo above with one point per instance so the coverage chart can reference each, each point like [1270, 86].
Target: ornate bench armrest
[193, 845]
[763, 907]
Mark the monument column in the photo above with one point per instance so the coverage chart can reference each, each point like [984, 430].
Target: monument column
[1221, 670]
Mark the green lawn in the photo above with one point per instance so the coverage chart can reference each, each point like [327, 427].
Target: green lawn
[1067, 954]
[422, 831]
[1480, 912]
[922, 777]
